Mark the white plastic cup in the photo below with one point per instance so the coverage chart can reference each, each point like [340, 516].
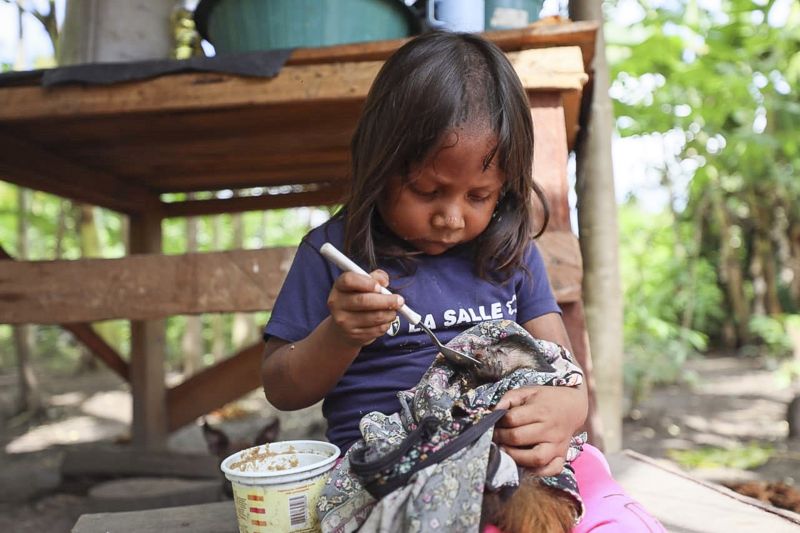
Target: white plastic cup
[276, 486]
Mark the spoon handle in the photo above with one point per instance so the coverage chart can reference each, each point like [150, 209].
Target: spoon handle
[336, 257]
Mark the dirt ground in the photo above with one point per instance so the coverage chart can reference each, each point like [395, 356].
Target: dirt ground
[733, 401]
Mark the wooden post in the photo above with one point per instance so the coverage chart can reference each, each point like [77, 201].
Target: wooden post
[147, 351]
[550, 156]
[597, 221]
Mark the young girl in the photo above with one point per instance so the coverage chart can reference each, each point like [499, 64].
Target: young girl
[441, 212]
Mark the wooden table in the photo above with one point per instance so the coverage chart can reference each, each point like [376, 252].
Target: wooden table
[125, 145]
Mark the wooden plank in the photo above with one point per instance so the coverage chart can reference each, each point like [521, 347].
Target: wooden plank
[150, 286]
[550, 156]
[29, 165]
[148, 346]
[545, 69]
[686, 504]
[85, 334]
[127, 461]
[575, 323]
[211, 179]
[215, 386]
[329, 195]
[141, 286]
[562, 257]
[219, 517]
[541, 34]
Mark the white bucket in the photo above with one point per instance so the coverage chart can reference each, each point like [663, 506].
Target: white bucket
[276, 486]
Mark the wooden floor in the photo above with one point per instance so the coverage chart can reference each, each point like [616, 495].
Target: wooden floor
[684, 504]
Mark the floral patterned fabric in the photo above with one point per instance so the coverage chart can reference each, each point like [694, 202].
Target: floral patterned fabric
[425, 467]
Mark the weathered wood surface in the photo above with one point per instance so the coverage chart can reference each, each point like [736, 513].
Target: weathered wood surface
[141, 287]
[120, 461]
[562, 257]
[558, 68]
[328, 195]
[61, 175]
[684, 504]
[204, 131]
[138, 493]
[219, 517]
[541, 34]
[214, 386]
[151, 286]
[550, 157]
[86, 334]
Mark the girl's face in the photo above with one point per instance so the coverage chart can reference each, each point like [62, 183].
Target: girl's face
[450, 198]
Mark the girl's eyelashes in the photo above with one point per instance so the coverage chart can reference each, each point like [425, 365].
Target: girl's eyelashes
[479, 199]
[425, 193]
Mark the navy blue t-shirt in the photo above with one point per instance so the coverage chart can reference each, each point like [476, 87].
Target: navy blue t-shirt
[444, 289]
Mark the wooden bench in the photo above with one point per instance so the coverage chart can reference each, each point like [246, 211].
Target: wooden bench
[683, 505]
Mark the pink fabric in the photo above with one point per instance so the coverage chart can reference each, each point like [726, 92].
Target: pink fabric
[608, 508]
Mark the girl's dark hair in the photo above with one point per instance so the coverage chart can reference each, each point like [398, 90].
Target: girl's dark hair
[431, 85]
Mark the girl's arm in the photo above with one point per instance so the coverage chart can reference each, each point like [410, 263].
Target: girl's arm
[299, 374]
[540, 421]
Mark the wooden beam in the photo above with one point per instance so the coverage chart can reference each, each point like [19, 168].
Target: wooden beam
[99, 348]
[550, 158]
[142, 286]
[334, 82]
[148, 347]
[302, 173]
[85, 334]
[328, 195]
[215, 386]
[561, 253]
[29, 165]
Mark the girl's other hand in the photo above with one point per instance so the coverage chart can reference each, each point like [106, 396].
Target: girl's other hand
[538, 426]
[359, 311]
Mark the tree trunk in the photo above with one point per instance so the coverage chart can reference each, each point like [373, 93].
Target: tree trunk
[243, 324]
[794, 246]
[29, 396]
[730, 270]
[597, 221]
[767, 251]
[192, 341]
[218, 343]
[692, 258]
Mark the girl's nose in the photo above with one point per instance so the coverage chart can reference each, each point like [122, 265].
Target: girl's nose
[449, 218]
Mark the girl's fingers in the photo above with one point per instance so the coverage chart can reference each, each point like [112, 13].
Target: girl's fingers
[352, 282]
[519, 435]
[516, 398]
[553, 468]
[544, 459]
[381, 277]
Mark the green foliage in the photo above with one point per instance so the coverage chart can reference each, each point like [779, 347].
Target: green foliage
[745, 457]
[658, 289]
[721, 79]
[772, 335]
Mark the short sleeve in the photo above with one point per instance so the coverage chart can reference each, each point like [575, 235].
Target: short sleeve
[302, 301]
[534, 295]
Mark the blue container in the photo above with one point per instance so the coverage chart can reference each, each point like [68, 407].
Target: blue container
[510, 14]
[456, 15]
[249, 25]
